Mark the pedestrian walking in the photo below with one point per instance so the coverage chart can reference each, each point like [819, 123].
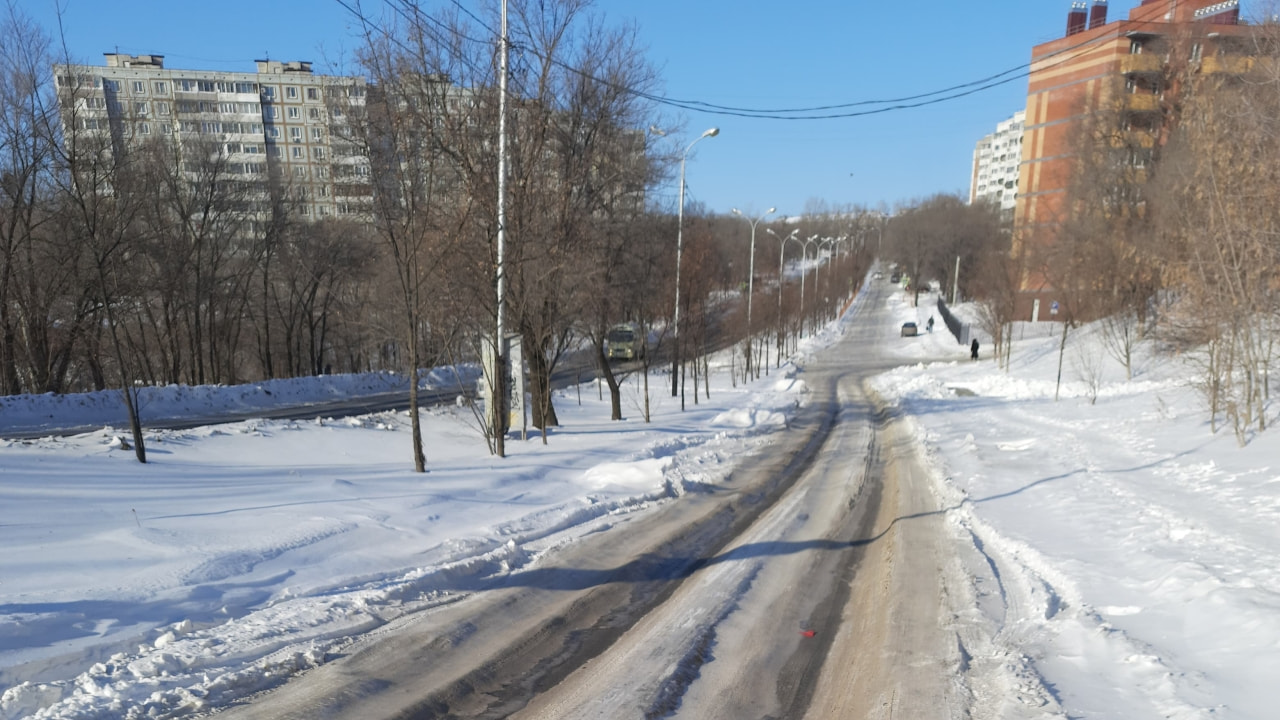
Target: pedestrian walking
[973, 349]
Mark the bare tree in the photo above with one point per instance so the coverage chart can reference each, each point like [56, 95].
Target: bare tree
[94, 192]
[395, 128]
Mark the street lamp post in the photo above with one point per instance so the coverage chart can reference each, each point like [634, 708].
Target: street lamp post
[831, 243]
[676, 385]
[804, 255]
[751, 276]
[782, 250]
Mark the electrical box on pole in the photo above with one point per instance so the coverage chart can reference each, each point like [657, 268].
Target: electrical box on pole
[512, 382]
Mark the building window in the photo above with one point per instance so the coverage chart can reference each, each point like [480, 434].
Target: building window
[317, 134]
[162, 108]
[294, 113]
[112, 85]
[1135, 47]
[317, 153]
[314, 113]
[300, 171]
[291, 92]
[144, 128]
[273, 132]
[166, 129]
[313, 93]
[205, 85]
[140, 108]
[295, 134]
[268, 92]
[275, 151]
[297, 153]
[273, 113]
[139, 87]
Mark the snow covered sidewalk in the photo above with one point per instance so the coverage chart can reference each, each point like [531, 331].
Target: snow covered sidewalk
[1135, 555]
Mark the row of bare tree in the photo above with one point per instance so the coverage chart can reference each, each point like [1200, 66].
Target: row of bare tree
[129, 261]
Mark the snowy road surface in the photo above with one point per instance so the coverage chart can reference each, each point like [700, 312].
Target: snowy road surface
[814, 579]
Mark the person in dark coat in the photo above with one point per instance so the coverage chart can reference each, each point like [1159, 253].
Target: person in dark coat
[973, 349]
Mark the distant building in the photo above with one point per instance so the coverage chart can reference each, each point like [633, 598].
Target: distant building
[276, 124]
[1123, 66]
[995, 165]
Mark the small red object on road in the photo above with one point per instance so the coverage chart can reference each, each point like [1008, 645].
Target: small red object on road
[808, 633]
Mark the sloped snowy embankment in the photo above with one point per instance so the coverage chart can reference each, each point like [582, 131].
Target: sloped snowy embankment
[243, 553]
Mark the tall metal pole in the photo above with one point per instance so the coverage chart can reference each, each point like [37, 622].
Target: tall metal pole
[499, 372]
[955, 286]
[782, 251]
[675, 319]
[804, 255]
[751, 276]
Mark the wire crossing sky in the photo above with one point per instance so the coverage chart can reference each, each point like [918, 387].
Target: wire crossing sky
[852, 102]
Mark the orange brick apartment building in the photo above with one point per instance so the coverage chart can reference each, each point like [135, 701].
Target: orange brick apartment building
[1072, 76]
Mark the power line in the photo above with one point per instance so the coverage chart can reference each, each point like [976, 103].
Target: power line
[818, 112]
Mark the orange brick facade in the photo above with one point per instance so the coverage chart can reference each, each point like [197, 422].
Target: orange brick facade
[1073, 76]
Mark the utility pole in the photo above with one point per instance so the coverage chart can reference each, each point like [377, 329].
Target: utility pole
[499, 346]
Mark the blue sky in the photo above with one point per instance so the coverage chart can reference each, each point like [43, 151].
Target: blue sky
[745, 53]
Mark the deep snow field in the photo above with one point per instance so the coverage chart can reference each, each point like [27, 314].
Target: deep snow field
[1135, 553]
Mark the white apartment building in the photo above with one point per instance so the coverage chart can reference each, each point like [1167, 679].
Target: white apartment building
[995, 165]
[276, 123]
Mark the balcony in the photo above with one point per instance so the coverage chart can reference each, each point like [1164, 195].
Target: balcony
[1134, 139]
[1228, 64]
[1141, 63]
[1142, 102]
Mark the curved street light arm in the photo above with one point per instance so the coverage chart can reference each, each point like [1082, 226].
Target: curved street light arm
[675, 365]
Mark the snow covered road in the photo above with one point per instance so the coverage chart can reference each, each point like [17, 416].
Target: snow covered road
[778, 589]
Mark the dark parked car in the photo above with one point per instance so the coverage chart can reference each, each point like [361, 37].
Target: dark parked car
[909, 329]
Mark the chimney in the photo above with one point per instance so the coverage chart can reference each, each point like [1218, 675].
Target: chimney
[1076, 18]
[1098, 14]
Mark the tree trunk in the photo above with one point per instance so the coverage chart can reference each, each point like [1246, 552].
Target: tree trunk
[544, 411]
[1062, 350]
[415, 418]
[615, 392]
